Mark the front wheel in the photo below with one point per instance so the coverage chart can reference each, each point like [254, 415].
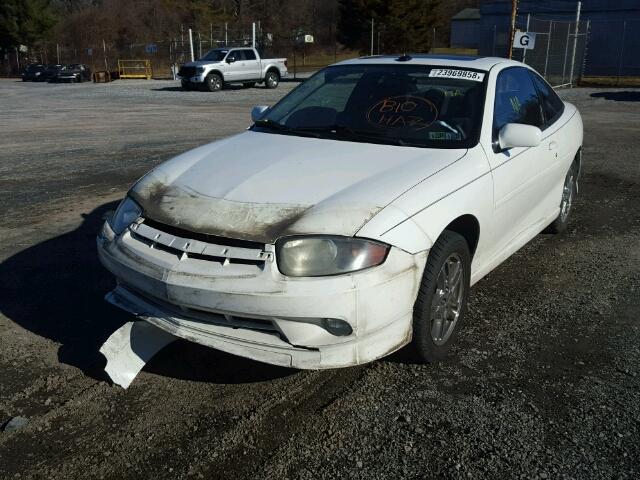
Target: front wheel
[569, 193]
[271, 79]
[213, 82]
[441, 303]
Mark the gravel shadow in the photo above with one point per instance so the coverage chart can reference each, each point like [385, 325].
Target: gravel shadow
[56, 290]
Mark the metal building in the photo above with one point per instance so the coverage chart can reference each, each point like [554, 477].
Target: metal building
[613, 38]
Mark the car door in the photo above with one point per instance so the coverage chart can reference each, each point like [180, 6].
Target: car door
[520, 175]
[553, 109]
[233, 70]
[252, 65]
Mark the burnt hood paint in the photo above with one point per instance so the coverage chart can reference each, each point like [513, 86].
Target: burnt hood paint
[262, 186]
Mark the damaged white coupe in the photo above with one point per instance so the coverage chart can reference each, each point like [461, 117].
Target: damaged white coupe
[350, 219]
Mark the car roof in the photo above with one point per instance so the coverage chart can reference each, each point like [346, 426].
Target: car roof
[479, 63]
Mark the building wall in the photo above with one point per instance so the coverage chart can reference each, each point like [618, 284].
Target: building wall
[465, 33]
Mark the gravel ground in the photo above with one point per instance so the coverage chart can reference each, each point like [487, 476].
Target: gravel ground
[543, 383]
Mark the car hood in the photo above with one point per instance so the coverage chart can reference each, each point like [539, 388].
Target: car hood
[261, 186]
[202, 63]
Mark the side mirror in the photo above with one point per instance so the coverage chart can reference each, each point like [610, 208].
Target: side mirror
[519, 135]
[231, 59]
[258, 112]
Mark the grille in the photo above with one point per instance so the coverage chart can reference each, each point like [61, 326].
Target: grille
[187, 71]
[185, 244]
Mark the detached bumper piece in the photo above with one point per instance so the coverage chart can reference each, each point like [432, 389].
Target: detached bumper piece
[129, 348]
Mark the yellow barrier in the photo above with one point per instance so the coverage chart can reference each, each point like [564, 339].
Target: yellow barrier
[135, 69]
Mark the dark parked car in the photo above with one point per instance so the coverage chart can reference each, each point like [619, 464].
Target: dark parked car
[32, 72]
[76, 73]
[49, 72]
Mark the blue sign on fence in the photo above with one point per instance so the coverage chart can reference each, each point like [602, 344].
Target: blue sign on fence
[151, 48]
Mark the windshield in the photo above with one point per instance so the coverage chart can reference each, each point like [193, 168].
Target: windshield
[412, 105]
[216, 55]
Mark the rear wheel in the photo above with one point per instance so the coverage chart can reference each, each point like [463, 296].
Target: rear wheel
[569, 193]
[271, 79]
[441, 304]
[213, 82]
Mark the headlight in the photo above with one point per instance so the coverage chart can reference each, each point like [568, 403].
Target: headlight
[128, 212]
[324, 255]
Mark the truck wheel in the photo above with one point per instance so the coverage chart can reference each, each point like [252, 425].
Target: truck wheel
[249, 84]
[441, 303]
[213, 82]
[271, 79]
[569, 193]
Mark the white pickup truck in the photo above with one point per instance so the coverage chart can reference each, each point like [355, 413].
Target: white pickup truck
[232, 65]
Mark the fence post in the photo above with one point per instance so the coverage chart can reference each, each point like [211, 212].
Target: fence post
[372, 36]
[191, 44]
[585, 49]
[624, 31]
[524, 53]
[493, 48]
[566, 53]
[575, 43]
[104, 51]
[546, 58]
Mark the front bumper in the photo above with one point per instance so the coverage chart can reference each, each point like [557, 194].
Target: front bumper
[195, 79]
[255, 312]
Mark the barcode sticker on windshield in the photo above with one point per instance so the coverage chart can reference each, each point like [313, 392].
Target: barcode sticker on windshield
[461, 74]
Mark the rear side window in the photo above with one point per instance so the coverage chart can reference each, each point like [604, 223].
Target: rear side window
[516, 100]
[552, 105]
[249, 55]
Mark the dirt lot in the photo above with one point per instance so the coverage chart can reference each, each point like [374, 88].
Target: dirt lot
[543, 384]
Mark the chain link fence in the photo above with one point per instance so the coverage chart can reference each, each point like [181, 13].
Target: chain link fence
[562, 52]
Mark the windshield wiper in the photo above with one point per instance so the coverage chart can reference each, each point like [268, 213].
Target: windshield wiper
[348, 132]
[271, 125]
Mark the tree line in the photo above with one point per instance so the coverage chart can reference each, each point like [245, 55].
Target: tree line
[398, 25]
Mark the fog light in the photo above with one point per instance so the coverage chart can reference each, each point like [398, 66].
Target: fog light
[337, 327]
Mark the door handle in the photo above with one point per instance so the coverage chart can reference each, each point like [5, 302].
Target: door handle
[553, 145]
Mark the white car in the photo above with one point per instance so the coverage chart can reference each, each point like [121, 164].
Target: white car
[353, 216]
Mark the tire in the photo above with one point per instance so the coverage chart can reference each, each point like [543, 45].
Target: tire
[440, 309]
[249, 84]
[569, 194]
[213, 82]
[272, 79]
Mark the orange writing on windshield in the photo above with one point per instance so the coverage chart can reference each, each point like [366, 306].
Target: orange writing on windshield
[402, 112]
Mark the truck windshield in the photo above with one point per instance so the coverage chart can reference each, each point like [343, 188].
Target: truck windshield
[216, 55]
[409, 105]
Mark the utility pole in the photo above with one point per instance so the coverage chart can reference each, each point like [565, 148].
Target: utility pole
[512, 33]
[58, 53]
[575, 42]
[191, 45]
[372, 23]
[226, 39]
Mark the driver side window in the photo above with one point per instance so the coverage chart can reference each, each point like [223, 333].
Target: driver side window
[516, 100]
